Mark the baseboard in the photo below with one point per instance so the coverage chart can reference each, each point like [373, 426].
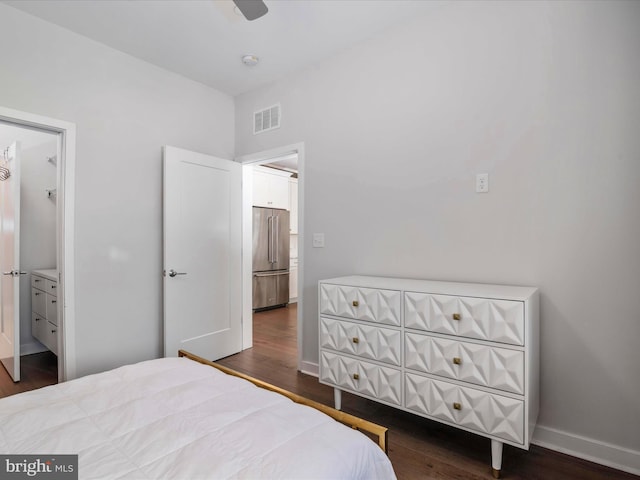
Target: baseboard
[31, 348]
[589, 449]
[310, 368]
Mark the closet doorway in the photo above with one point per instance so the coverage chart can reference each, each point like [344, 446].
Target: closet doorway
[36, 246]
[33, 234]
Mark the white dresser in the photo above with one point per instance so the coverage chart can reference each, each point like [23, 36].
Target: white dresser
[44, 308]
[463, 354]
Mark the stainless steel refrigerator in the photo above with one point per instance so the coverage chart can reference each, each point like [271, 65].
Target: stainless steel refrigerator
[270, 257]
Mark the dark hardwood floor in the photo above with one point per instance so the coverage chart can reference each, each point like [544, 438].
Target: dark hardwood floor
[36, 370]
[418, 448]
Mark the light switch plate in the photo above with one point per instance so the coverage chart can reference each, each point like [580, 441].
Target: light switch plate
[482, 183]
[318, 240]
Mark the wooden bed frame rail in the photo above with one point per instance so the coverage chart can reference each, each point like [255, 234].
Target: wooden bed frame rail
[350, 420]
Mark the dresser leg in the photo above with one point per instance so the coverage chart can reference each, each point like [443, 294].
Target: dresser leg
[337, 398]
[496, 458]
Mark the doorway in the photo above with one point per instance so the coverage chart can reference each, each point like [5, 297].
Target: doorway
[55, 141]
[288, 163]
[34, 236]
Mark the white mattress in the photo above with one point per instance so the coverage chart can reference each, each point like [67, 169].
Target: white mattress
[174, 418]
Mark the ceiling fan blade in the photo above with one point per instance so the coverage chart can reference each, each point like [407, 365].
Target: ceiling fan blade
[251, 9]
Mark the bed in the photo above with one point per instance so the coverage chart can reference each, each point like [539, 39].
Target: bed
[179, 418]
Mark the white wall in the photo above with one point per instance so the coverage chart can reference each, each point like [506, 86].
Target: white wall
[124, 110]
[37, 216]
[542, 96]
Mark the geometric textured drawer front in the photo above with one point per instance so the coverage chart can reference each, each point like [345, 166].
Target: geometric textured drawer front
[482, 318]
[381, 383]
[470, 408]
[366, 341]
[478, 364]
[370, 304]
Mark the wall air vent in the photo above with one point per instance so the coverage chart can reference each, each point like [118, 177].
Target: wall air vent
[266, 119]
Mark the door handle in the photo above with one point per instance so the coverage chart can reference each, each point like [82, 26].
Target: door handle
[269, 274]
[173, 273]
[14, 273]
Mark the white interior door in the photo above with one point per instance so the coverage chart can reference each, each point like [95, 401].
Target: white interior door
[10, 266]
[202, 229]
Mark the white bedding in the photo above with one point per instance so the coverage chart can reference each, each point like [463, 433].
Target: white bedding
[177, 419]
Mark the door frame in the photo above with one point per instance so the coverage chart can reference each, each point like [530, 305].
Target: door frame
[248, 162]
[65, 227]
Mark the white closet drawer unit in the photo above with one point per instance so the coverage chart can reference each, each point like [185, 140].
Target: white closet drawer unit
[39, 301]
[38, 282]
[38, 325]
[482, 318]
[51, 287]
[470, 408]
[45, 331]
[52, 309]
[366, 341]
[44, 308]
[367, 379]
[368, 304]
[51, 337]
[484, 365]
[460, 353]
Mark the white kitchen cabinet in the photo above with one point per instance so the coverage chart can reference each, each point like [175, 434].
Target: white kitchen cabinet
[270, 188]
[462, 354]
[44, 308]
[293, 206]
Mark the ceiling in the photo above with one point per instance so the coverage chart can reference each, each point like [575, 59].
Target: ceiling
[204, 40]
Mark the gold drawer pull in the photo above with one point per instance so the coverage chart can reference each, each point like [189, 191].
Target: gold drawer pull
[457, 406]
[457, 361]
[356, 376]
[356, 303]
[456, 316]
[356, 340]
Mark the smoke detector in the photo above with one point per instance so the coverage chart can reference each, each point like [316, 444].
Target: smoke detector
[250, 60]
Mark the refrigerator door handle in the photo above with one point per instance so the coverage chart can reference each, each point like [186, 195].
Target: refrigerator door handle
[269, 239]
[276, 234]
[270, 274]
